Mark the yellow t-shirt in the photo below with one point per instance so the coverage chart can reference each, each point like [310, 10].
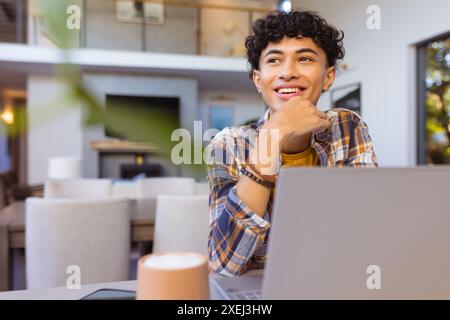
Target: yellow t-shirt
[308, 157]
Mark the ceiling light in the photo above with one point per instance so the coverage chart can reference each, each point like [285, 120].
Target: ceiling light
[285, 5]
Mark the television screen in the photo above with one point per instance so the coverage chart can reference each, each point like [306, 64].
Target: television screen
[125, 111]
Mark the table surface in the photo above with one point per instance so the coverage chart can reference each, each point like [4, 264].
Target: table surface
[63, 293]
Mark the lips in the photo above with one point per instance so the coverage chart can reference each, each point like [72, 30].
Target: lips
[286, 92]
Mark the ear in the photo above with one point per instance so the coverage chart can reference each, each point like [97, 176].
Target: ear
[257, 80]
[330, 75]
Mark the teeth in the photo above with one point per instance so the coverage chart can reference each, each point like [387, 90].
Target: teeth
[288, 90]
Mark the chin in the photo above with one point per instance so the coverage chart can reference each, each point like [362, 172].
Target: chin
[277, 105]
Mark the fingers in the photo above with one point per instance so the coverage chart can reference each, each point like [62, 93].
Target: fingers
[323, 125]
[321, 114]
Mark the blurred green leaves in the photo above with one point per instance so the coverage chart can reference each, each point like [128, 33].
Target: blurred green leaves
[54, 19]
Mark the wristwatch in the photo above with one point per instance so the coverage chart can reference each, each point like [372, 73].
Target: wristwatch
[266, 172]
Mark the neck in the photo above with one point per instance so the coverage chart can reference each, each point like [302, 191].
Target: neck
[297, 145]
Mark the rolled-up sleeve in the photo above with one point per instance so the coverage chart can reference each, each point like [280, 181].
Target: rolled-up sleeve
[361, 153]
[235, 230]
[355, 140]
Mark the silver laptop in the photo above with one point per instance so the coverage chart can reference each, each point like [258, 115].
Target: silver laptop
[350, 233]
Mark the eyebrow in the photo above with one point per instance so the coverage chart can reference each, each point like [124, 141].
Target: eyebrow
[303, 50]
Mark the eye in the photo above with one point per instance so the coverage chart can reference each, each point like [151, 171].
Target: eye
[305, 59]
[273, 60]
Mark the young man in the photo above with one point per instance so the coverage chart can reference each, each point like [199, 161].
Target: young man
[293, 58]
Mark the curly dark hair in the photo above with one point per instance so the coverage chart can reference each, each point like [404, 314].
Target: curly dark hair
[276, 25]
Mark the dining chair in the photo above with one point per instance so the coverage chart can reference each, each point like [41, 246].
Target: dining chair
[202, 188]
[89, 235]
[125, 189]
[78, 188]
[181, 224]
[149, 189]
[152, 187]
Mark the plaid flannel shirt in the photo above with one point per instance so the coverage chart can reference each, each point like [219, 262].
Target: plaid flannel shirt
[238, 236]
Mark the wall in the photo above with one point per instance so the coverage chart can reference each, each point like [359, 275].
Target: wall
[176, 35]
[103, 31]
[54, 126]
[224, 31]
[384, 61]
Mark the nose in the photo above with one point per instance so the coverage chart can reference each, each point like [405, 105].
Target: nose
[289, 70]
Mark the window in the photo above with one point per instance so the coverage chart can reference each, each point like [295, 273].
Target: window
[434, 101]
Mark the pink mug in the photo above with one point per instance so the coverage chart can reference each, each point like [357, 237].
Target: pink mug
[172, 276]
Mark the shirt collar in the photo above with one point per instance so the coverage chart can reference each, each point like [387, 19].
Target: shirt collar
[263, 119]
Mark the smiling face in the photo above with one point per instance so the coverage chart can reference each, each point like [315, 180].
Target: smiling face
[292, 67]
